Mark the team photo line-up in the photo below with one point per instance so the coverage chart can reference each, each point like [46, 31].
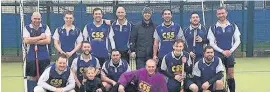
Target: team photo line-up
[118, 56]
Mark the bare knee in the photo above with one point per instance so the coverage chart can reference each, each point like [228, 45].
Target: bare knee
[72, 91]
[193, 87]
[206, 91]
[107, 86]
[39, 89]
[230, 73]
[219, 85]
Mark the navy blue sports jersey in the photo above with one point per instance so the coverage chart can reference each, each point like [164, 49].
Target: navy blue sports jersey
[114, 72]
[68, 41]
[81, 64]
[121, 35]
[167, 36]
[189, 35]
[57, 80]
[98, 37]
[224, 40]
[171, 66]
[43, 52]
[207, 71]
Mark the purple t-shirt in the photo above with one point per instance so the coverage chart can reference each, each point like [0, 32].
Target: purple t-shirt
[146, 83]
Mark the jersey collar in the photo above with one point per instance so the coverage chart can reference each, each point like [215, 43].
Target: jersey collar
[81, 58]
[200, 27]
[220, 25]
[175, 57]
[163, 24]
[206, 63]
[31, 26]
[98, 25]
[72, 27]
[117, 22]
[60, 72]
[120, 63]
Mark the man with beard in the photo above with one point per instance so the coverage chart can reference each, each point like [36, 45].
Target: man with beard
[113, 69]
[37, 36]
[196, 37]
[97, 34]
[68, 38]
[141, 40]
[83, 61]
[120, 34]
[165, 35]
[208, 72]
[224, 37]
[145, 79]
[171, 67]
[56, 78]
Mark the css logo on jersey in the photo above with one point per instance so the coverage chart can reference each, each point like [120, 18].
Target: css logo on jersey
[97, 35]
[82, 70]
[56, 82]
[169, 36]
[177, 69]
[144, 87]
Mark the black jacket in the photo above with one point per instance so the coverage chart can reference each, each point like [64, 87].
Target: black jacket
[141, 40]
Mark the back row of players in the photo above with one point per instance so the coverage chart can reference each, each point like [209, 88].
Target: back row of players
[144, 41]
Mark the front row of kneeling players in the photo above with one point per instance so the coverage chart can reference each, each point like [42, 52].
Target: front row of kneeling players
[85, 74]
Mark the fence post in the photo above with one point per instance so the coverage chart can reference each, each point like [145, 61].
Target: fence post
[250, 29]
[181, 10]
[17, 30]
[242, 31]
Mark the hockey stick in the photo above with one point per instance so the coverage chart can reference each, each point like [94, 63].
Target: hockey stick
[132, 62]
[184, 59]
[194, 45]
[37, 63]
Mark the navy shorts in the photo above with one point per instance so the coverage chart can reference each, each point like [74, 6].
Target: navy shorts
[71, 58]
[187, 83]
[227, 61]
[31, 67]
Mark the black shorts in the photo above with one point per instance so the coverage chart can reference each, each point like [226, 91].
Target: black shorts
[71, 58]
[102, 60]
[31, 67]
[227, 61]
[125, 55]
[187, 83]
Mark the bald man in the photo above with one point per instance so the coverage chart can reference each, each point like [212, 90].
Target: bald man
[145, 79]
[37, 36]
[119, 36]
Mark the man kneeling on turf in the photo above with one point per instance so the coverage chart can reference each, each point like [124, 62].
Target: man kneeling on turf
[56, 78]
[208, 72]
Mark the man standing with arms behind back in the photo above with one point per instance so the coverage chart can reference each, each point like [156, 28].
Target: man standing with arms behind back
[120, 35]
